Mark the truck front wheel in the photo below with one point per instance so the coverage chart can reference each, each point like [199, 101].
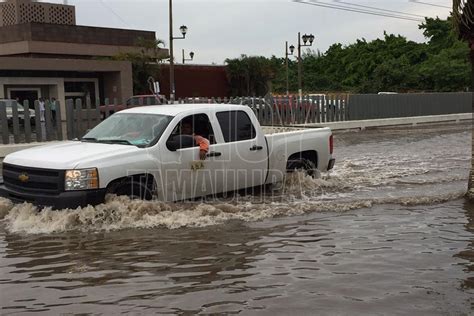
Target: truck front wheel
[132, 188]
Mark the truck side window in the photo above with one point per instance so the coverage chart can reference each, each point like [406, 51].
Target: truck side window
[236, 126]
[200, 125]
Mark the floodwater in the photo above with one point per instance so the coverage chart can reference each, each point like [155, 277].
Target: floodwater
[387, 232]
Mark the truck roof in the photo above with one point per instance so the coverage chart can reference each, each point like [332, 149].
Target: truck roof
[175, 109]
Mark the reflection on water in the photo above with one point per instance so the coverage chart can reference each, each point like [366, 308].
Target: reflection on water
[387, 259]
[386, 233]
[468, 253]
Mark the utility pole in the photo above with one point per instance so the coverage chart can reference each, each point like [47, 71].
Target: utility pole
[292, 49]
[172, 87]
[183, 30]
[300, 76]
[286, 67]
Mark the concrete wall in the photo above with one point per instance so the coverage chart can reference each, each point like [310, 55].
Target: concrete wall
[23, 11]
[116, 87]
[53, 39]
[64, 50]
[374, 106]
[72, 34]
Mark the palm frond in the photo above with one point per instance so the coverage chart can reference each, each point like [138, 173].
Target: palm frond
[463, 16]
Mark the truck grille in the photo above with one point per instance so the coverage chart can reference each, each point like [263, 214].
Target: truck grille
[34, 180]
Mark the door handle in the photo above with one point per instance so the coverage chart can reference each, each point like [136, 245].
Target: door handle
[214, 154]
[255, 148]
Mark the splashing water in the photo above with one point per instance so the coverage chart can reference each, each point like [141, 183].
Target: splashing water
[427, 171]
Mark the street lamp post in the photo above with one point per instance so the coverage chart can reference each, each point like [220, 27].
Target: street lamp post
[292, 49]
[306, 38]
[183, 30]
[191, 54]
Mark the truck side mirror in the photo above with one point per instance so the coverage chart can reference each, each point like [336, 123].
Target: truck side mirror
[180, 142]
[172, 145]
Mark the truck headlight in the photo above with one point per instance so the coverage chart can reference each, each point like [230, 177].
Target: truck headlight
[85, 179]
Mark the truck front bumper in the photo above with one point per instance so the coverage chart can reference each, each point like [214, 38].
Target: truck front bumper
[60, 201]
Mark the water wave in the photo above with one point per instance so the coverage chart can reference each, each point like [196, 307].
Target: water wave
[298, 195]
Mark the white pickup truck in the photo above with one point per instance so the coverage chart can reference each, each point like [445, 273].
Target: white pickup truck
[143, 153]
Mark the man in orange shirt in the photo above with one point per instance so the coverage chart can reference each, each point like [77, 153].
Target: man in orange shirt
[203, 143]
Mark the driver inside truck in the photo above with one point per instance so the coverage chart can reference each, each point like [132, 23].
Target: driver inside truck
[203, 143]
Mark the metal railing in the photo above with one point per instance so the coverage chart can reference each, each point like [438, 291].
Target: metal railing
[29, 123]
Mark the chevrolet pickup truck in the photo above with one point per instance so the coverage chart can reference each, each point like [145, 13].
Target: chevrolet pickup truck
[143, 153]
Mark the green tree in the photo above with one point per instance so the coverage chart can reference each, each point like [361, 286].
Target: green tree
[250, 75]
[447, 65]
[391, 63]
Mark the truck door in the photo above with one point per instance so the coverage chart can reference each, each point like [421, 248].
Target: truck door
[183, 174]
[245, 156]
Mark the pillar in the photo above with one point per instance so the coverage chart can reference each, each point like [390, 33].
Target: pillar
[471, 176]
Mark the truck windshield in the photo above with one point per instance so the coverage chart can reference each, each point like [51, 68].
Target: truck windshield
[139, 130]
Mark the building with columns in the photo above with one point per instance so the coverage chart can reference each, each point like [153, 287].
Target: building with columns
[45, 54]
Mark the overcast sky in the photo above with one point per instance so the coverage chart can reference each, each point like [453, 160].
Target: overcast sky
[220, 29]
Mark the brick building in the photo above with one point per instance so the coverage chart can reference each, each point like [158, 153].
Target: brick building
[196, 81]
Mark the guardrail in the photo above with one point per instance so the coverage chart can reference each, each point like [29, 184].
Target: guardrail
[33, 123]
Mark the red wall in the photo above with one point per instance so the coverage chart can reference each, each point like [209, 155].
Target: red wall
[196, 81]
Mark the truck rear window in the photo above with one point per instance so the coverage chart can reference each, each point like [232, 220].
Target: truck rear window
[236, 126]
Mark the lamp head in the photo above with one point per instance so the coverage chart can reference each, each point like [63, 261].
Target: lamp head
[183, 29]
[305, 39]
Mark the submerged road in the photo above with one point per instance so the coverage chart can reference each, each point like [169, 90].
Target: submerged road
[387, 232]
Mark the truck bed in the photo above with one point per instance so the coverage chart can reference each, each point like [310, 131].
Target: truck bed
[270, 130]
[282, 141]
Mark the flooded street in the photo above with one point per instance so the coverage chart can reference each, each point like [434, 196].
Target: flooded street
[387, 232]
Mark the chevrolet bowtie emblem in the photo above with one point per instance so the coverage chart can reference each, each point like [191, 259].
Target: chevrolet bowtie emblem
[23, 177]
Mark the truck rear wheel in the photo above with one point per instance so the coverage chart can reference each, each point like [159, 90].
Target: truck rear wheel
[302, 165]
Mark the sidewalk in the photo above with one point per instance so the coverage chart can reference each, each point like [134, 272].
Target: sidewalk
[391, 121]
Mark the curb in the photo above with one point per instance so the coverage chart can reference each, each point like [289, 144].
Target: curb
[400, 121]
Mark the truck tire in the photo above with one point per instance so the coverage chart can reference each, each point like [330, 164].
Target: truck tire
[302, 165]
[133, 189]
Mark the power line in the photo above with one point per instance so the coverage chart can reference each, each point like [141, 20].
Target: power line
[346, 8]
[114, 13]
[350, 9]
[378, 9]
[430, 4]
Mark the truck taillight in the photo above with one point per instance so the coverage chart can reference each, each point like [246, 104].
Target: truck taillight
[331, 144]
